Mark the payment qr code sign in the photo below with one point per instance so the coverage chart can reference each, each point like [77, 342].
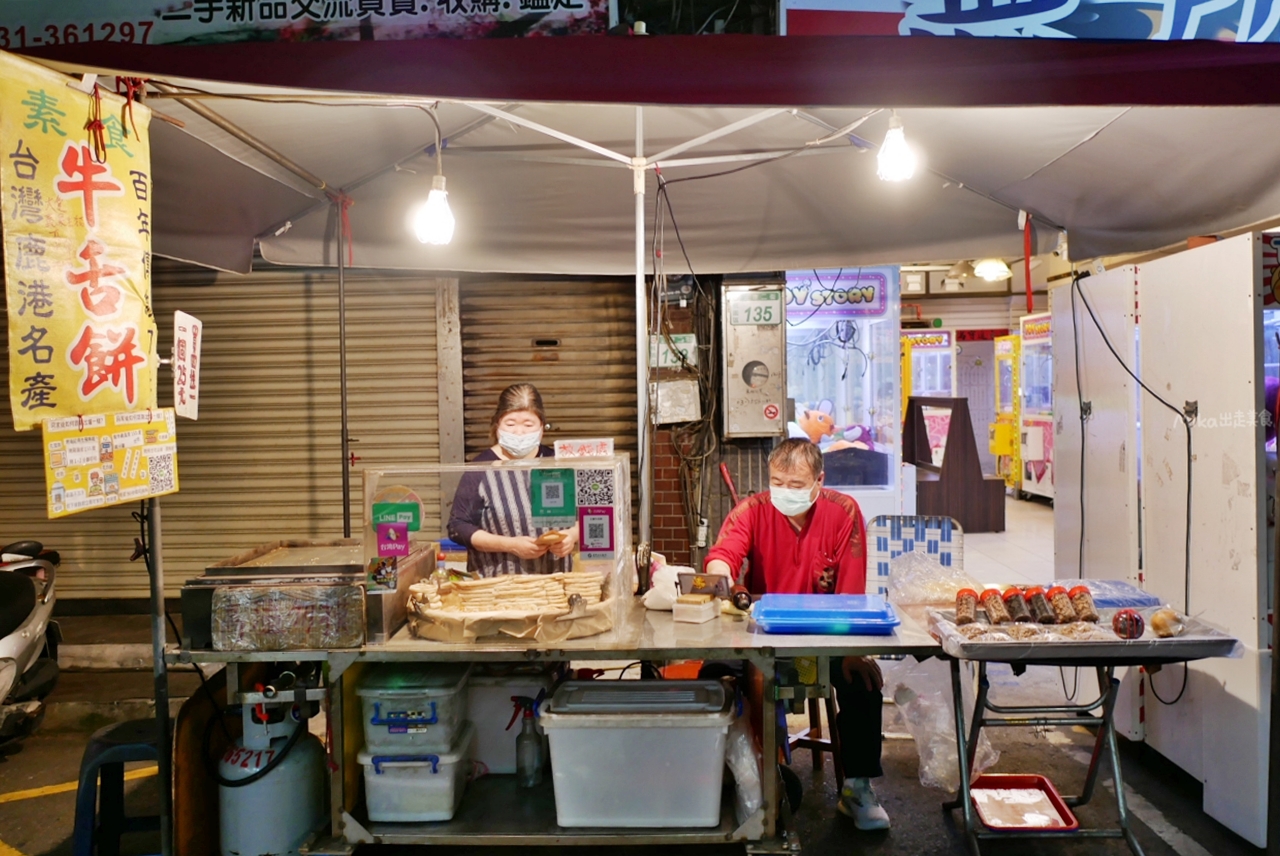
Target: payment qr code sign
[595, 527]
[552, 497]
[108, 459]
[594, 487]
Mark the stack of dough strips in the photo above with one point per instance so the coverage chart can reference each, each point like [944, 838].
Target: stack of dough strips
[512, 593]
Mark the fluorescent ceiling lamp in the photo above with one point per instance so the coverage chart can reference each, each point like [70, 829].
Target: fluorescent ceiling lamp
[433, 224]
[896, 161]
[992, 270]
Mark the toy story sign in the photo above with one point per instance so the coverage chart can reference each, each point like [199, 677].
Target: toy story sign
[818, 293]
[77, 248]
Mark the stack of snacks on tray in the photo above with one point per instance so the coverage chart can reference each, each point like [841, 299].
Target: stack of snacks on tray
[540, 594]
[548, 607]
[1036, 624]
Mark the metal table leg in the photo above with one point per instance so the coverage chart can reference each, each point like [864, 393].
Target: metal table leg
[967, 742]
[962, 800]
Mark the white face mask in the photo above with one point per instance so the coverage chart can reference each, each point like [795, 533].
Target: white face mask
[519, 445]
[792, 501]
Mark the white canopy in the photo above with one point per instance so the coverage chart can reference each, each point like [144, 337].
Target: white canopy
[529, 198]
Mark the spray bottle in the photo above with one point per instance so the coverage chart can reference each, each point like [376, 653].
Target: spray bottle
[530, 753]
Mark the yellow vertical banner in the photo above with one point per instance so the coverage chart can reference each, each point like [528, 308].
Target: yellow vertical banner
[75, 172]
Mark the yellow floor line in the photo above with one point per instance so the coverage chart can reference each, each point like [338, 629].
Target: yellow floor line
[6, 850]
[49, 790]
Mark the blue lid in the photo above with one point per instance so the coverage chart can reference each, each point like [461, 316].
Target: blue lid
[450, 546]
[838, 614]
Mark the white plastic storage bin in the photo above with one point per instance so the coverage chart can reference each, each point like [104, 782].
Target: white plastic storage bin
[643, 754]
[413, 707]
[417, 787]
[489, 709]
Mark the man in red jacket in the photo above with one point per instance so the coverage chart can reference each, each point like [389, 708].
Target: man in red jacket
[801, 538]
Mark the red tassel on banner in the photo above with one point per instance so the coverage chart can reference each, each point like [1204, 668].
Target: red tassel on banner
[97, 131]
[135, 89]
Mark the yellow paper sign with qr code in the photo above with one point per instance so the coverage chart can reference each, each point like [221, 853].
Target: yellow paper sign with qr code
[108, 459]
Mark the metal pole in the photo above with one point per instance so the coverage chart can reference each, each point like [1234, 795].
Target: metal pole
[642, 342]
[342, 373]
[164, 742]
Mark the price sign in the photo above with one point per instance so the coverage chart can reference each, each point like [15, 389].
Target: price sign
[756, 308]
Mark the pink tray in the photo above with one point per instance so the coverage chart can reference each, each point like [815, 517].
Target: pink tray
[1021, 781]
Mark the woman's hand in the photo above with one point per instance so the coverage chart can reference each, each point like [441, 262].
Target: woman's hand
[566, 546]
[524, 546]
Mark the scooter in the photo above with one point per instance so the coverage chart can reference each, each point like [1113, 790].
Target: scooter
[28, 638]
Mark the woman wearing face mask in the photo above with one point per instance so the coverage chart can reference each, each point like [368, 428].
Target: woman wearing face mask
[491, 513]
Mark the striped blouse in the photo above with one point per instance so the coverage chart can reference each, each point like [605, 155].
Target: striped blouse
[497, 501]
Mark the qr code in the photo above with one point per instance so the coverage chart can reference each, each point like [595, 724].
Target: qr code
[597, 536]
[552, 494]
[160, 469]
[595, 487]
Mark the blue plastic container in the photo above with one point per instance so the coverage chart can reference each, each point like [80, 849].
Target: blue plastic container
[825, 614]
[1114, 594]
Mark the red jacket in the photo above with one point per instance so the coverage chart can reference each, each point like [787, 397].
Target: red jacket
[828, 555]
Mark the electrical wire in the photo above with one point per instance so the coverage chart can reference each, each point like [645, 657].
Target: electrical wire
[1186, 424]
[1151, 682]
[1075, 685]
[1084, 418]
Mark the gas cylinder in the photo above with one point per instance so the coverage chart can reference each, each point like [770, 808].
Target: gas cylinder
[275, 814]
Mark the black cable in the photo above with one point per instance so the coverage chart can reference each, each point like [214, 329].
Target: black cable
[276, 761]
[1084, 418]
[1151, 682]
[1075, 685]
[1186, 423]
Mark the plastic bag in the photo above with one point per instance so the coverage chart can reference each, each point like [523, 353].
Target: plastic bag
[743, 762]
[923, 695]
[919, 578]
[664, 587]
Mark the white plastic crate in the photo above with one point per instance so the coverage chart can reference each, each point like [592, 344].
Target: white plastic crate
[422, 787]
[413, 707]
[489, 709]
[645, 769]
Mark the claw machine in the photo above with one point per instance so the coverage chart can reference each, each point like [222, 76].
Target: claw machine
[933, 365]
[843, 379]
[1004, 432]
[1036, 418]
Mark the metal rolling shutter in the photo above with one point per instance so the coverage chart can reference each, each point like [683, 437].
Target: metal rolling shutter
[262, 463]
[573, 339]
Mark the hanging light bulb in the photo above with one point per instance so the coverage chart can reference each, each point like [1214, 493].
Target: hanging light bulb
[992, 270]
[433, 223]
[896, 161]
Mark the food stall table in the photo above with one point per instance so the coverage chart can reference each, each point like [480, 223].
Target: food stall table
[1105, 658]
[494, 812]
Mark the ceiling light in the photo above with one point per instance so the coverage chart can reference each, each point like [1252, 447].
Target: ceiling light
[961, 270]
[896, 161]
[992, 270]
[433, 223]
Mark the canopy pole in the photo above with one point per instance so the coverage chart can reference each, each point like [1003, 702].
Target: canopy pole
[160, 672]
[342, 371]
[642, 354]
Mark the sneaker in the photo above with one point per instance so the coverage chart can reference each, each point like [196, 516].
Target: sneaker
[859, 801]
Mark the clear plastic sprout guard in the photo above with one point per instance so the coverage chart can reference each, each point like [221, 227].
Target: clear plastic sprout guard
[406, 509]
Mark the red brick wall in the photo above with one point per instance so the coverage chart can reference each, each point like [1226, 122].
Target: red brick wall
[670, 535]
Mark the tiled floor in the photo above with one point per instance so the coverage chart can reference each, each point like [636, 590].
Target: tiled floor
[1022, 553]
